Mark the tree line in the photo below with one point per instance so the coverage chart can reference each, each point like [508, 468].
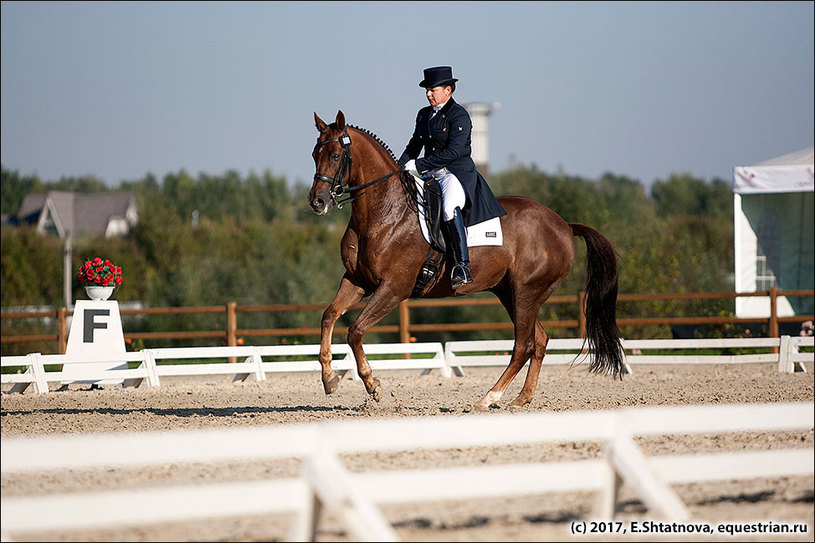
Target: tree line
[211, 239]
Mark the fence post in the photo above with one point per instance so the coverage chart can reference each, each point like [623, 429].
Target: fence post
[784, 363]
[404, 325]
[231, 327]
[404, 322]
[62, 331]
[581, 317]
[773, 332]
[40, 382]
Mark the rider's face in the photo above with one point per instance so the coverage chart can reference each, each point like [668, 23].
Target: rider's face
[438, 95]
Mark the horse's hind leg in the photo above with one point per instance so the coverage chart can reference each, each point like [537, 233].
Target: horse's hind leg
[347, 295]
[533, 373]
[524, 317]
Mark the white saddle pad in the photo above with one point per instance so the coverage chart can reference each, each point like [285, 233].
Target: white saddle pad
[484, 233]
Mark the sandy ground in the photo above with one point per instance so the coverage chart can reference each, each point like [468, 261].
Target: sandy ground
[187, 403]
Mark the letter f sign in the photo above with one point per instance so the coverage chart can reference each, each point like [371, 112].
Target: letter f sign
[91, 324]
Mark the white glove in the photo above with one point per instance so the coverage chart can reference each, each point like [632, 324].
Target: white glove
[410, 166]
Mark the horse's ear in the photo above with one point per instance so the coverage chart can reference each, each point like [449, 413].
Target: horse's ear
[318, 122]
[340, 120]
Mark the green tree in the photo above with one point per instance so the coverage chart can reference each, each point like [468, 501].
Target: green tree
[257, 242]
[14, 188]
[31, 268]
[686, 195]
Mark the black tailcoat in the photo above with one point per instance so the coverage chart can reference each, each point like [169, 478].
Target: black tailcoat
[446, 142]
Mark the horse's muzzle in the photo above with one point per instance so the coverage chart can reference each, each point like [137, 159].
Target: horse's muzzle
[320, 204]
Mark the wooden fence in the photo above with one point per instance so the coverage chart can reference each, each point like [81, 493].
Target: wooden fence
[232, 333]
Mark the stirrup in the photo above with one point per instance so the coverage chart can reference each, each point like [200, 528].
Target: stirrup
[463, 277]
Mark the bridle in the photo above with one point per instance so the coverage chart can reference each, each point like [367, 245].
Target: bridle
[344, 168]
[339, 183]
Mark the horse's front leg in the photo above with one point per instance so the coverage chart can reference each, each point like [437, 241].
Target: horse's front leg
[347, 295]
[382, 302]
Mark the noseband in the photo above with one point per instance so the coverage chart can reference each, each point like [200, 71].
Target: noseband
[343, 174]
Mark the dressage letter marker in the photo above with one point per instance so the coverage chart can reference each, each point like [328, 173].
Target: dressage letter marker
[90, 323]
[96, 332]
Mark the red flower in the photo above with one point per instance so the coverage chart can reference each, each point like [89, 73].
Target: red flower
[100, 273]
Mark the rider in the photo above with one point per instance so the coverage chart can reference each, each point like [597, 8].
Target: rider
[443, 130]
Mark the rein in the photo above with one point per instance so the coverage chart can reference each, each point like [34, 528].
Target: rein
[343, 175]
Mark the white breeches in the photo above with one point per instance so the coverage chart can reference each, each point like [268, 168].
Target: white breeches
[452, 193]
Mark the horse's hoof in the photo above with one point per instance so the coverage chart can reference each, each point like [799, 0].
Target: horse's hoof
[488, 401]
[376, 393]
[518, 403]
[332, 384]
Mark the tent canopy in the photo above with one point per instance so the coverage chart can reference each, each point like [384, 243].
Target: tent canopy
[774, 210]
[792, 172]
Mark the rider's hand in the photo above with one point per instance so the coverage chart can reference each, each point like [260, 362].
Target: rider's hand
[410, 166]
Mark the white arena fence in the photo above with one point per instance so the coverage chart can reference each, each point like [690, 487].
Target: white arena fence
[257, 361]
[788, 355]
[324, 484]
[449, 358]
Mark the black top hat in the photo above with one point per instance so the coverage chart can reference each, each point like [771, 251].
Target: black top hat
[438, 76]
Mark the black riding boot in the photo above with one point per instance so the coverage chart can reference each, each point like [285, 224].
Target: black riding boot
[457, 239]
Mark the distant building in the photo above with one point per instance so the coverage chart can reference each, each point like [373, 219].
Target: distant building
[60, 213]
[480, 147]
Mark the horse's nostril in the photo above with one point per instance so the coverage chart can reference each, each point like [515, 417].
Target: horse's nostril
[318, 202]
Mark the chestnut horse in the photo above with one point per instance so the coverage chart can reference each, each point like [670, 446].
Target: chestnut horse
[383, 251]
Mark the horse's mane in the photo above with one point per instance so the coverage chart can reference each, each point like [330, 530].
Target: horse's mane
[407, 184]
[376, 139]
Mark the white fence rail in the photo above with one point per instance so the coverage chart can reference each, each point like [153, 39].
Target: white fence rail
[562, 351]
[256, 361]
[325, 483]
[449, 358]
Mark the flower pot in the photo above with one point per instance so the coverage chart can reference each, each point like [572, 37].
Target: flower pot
[98, 293]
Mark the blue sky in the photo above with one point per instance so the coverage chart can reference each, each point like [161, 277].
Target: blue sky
[642, 89]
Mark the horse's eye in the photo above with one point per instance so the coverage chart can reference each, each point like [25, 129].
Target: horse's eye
[335, 157]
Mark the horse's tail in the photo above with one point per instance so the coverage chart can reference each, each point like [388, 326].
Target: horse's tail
[601, 302]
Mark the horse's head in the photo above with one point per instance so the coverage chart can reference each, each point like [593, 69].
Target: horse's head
[332, 159]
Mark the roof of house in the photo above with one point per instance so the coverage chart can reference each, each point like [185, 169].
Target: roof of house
[75, 212]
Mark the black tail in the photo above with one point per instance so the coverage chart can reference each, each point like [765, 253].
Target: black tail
[601, 302]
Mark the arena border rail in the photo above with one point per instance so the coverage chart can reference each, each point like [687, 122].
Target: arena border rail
[150, 370]
[788, 355]
[445, 358]
[325, 483]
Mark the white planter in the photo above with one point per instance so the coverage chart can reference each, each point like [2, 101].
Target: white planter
[99, 293]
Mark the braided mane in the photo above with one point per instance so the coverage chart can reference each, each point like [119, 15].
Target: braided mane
[376, 139]
[407, 183]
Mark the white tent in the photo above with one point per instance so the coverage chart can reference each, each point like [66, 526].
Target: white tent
[773, 228]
